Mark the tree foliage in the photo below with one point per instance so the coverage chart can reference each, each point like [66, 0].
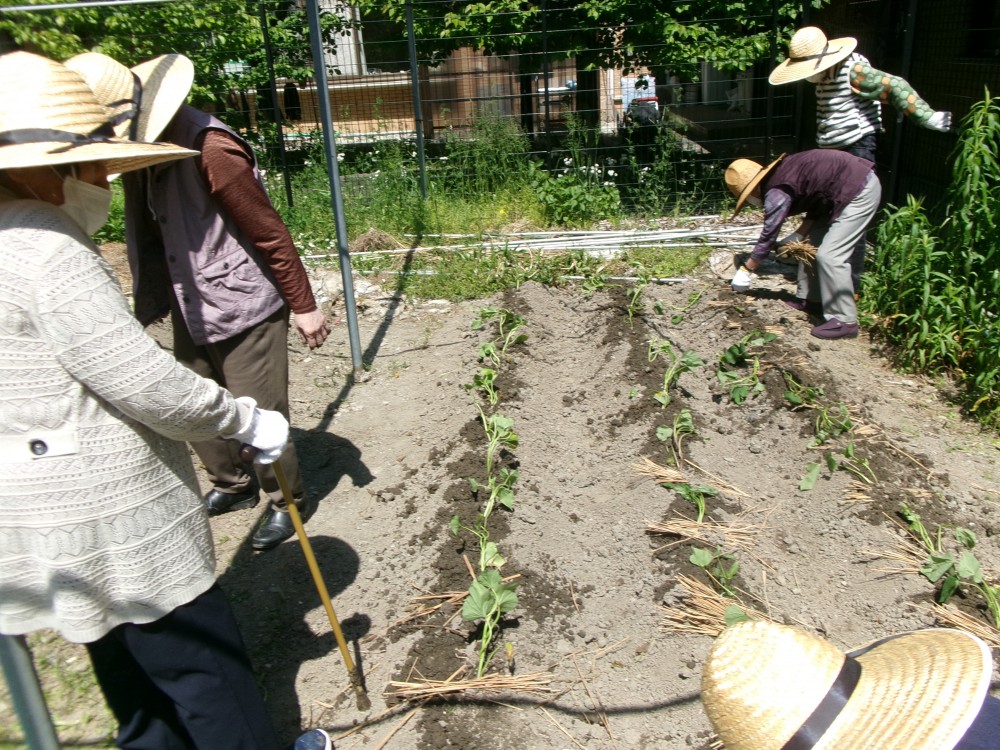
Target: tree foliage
[624, 34]
[223, 38]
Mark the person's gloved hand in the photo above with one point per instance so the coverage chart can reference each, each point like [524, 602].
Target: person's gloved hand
[267, 432]
[741, 281]
[940, 121]
[793, 237]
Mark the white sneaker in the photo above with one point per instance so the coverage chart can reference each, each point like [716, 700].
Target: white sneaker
[314, 739]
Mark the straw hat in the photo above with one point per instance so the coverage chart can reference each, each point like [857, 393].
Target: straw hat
[809, 53]
[155, 89]
[51, 117]
[743, 175]
[768, 687]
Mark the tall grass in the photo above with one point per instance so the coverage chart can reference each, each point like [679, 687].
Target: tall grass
[934, 286]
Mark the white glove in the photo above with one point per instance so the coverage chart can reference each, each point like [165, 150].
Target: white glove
[940, 121]
[793, 237]
[741, 281]
[267, 432]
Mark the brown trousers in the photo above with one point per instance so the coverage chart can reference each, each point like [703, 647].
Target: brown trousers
[253, 363]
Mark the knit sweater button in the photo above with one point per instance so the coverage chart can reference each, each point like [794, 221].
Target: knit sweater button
[38, 447]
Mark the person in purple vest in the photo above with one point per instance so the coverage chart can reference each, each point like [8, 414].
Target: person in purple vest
[207, 248]
[839, 193]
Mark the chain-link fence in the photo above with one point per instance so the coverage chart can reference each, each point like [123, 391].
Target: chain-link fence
[450, 97]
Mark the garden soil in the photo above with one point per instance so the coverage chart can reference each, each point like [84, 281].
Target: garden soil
[390, 456]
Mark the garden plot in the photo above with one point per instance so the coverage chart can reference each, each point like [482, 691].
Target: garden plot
[625, 433]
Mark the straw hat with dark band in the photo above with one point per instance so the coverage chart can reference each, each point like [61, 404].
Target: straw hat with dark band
[809, 53]
[743, 175]
[772, 687]
[144, 98]
[51, 117]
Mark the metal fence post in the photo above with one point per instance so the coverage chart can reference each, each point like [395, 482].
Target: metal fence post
[418, 107]
[897, 141]
[26, 693]
[333, 174]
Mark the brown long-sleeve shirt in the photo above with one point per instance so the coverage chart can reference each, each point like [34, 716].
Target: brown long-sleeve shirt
[228, 173]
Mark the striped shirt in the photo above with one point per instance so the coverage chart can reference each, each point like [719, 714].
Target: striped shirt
[842, 116]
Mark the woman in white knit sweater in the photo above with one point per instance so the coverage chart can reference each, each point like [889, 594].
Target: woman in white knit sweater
[103, 535]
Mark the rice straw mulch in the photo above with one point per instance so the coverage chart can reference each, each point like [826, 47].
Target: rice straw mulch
[730, 536]
[953, 618]
[798, 252]
[537, 683]
[702, 610]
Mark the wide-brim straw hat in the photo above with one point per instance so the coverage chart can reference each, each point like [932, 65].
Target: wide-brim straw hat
[50, 117]
[145, 98]
[743, 175]
[767, 686]
[809, 53]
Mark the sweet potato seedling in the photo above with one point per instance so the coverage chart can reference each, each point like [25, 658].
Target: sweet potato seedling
[489, 599]
[676, 366]
[695, 494]
[952, 568]
[720, 566]
[484, 382]
[681, 427]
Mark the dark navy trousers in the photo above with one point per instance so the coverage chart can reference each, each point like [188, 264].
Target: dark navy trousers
[183, 682]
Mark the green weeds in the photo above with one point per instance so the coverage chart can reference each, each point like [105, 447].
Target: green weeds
[933, 285]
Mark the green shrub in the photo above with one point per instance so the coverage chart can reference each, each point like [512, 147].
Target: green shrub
[934, 285]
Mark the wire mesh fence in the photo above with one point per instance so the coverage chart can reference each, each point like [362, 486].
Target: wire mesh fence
[443, 98]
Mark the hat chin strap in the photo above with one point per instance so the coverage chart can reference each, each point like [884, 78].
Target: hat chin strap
[818, 58]
[820, 720]
[102, 133]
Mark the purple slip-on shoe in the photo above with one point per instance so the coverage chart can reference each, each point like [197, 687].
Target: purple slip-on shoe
[834, 329]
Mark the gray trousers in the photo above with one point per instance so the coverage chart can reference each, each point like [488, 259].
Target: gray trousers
[829, 280]
[253, 363]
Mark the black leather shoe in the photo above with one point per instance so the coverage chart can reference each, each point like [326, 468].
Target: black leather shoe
[276, 526]
[218, 502]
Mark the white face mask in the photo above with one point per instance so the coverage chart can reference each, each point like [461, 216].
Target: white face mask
[88, 205]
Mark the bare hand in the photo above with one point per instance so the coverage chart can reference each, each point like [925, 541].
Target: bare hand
[312, 327]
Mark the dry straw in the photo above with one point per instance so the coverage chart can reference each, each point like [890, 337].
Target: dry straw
[702, 610]
[803, 252]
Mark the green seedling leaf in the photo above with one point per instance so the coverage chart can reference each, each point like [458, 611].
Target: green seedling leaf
[492, 557]
[735, 614]
[479, 601]
[506, 598]
[701, 557]
[937, 566]
[794, 398]
[965, 537]
[455, 524]
[474, 485]
[948, 588]
[968, 567]
[831, 462]
[674, 319]
[633, 392]
[663, 433]
[505, 496]
[811, 477]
